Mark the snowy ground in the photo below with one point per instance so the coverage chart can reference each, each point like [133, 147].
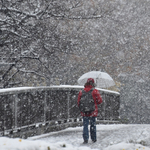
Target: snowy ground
[109, 137]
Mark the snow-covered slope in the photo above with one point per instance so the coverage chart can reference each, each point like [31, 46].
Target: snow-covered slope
[109, 137]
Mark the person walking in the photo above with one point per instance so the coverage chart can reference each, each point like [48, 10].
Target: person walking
[90, 117]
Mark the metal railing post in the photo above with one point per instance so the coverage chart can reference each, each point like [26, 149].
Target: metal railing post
[68, 100]
[15, 110]
[45, 106]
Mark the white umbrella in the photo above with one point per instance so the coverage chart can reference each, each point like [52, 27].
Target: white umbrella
[102, 79]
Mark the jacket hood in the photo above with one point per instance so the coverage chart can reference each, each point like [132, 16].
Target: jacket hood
[88, 88]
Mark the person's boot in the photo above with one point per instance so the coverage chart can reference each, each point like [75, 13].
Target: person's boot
[94, 141]
[85, 142]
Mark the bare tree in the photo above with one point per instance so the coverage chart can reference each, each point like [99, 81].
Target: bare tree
[30, 43]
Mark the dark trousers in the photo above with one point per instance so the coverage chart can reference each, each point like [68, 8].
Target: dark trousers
[92, 121]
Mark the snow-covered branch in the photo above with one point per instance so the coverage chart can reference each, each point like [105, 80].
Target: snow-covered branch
[32, 72]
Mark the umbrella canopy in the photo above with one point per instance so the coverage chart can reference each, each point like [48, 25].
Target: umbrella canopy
[102, 79]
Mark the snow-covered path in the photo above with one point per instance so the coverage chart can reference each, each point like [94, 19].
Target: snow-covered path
[107, 135]
[110, 137]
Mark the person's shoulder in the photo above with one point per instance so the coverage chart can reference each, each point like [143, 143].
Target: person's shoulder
[96, 91]
[81, 91]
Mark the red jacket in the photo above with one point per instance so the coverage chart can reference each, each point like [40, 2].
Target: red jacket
[97, 99]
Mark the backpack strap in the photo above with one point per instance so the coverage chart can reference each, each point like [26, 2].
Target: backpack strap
[92, 89]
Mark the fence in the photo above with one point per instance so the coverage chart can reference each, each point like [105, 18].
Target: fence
[36, 110]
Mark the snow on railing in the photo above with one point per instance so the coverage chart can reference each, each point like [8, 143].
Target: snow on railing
[28, 111]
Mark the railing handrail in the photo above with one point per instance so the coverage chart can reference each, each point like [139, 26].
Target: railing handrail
[76, 87]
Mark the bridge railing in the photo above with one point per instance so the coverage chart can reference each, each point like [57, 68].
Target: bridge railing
[24, 108]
